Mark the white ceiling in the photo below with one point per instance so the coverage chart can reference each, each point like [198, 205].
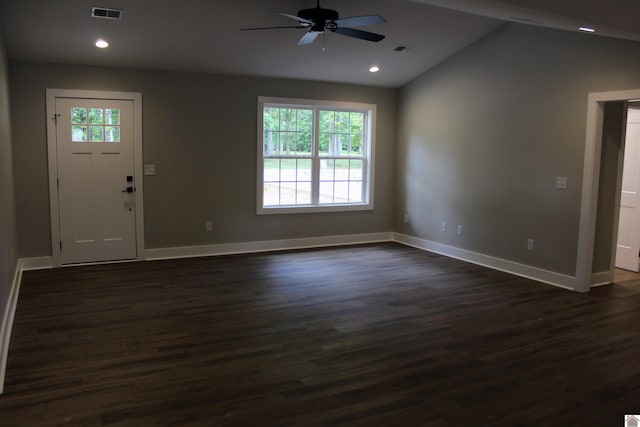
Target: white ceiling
[205, 36]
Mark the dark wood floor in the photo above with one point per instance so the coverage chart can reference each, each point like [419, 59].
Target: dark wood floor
[371, 335]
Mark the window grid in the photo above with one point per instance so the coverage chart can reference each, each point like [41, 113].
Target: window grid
[288, 183]
[95, 124]
[338, 188]
[346, 182]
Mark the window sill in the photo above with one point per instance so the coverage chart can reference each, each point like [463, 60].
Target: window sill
[314, 209]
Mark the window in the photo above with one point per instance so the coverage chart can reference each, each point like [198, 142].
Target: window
[314, 156]
[95, 125]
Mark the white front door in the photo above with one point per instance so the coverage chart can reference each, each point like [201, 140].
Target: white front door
[628, 247]
[96, 188]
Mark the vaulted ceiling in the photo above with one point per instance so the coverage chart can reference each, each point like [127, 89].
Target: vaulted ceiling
[205, 36]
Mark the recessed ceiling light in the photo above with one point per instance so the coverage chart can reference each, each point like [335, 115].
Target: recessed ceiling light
[587, 29]
[374, 69]
[101, 43]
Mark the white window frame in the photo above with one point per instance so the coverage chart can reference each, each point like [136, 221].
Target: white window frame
[368, 155]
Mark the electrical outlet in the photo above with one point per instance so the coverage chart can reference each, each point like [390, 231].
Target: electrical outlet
[562, 182]
[406, 218]
[459, 230]
[529, 244]
[443, 226]
[208, 226]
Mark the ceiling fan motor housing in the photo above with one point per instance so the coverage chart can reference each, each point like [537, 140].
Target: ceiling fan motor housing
[321, 18]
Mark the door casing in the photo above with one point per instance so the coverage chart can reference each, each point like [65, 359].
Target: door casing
[51, 95]
[590, 186]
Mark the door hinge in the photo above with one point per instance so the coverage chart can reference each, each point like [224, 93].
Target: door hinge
[58, 183]
[60, 244]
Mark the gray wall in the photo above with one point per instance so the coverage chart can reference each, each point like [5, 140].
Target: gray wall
[200, 132]
[8, 250]
[483, 136]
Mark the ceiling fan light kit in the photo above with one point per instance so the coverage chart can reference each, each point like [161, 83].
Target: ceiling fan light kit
[318, 20]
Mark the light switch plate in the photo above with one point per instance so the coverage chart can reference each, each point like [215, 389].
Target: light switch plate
[562, 182]
[149, 169]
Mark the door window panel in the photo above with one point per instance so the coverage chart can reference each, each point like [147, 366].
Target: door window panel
[79, 133]
[95, 124]
[95, 116]
[96, 133]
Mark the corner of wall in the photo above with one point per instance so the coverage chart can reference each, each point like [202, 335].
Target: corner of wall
[10, 272]
[9, 311]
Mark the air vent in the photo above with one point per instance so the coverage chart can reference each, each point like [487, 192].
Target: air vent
[103, 12]
[403, 48]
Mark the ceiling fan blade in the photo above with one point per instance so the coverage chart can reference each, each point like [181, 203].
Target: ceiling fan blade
[296, 18]
[308, 38]
[359, 34]
[360, 21]
[273, 28]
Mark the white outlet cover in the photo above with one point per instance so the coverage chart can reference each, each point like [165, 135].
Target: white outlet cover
[562, 182]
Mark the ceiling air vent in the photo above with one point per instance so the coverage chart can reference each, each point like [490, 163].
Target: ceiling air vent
[106, 13]
[403, 48]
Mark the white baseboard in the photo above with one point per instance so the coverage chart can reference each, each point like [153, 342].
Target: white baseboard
[545, 276]
[37, 263]
[600, 279]
[7, 322]
[538, 274]
[22, 265]
[265, 246]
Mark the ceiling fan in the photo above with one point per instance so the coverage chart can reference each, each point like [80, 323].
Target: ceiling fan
[318, 20]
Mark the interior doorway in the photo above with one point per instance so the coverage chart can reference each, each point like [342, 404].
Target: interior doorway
[600, 201]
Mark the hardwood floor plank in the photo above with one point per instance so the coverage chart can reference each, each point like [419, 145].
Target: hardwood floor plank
[366, 335]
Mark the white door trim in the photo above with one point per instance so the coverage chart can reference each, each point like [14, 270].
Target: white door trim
[591, 182]
[51, 95]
